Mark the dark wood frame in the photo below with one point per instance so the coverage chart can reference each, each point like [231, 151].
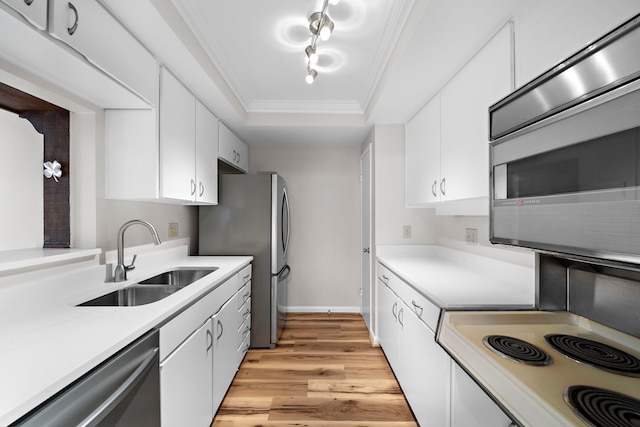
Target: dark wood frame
[52, 122]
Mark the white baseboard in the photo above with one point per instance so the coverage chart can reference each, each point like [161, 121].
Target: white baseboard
[316, 309]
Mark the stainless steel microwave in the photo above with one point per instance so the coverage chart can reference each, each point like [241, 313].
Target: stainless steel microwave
[565, 155]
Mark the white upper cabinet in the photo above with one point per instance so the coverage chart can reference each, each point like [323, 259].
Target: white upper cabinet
[423, 155]
[170, 156]
[232, 149]
[206, 172]
[465, 102]
[549, 31]
[447, 150]
[91, 30]
[34, 11]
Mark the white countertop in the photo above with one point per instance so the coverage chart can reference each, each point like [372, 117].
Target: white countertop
[46, 342]
[454, 279]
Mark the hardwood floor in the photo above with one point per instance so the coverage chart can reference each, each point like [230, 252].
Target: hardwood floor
[324, 372]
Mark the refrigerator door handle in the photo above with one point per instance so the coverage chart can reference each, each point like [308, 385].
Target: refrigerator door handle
[285, 242]
[284, 273]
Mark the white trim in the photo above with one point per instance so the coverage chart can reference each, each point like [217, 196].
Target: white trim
[317, 309]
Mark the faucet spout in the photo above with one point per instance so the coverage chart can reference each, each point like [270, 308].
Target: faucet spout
[120, 273]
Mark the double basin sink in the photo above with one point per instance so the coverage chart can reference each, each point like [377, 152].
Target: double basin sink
[152, 289]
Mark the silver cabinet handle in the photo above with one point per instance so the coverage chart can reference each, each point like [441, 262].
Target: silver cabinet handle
[193, 187]
[72, 29]
[201, 189]
[245, 314]
[246, 329]
[121, 392]
[246, 279]
[221, 328]
[365, 251]
[401, 317]
[385, 279]
[209, 340]
[245, 297]
[235, 156]
[443, 186]
[28, 2]
[393, 310]
[433, 188]
[417, 306]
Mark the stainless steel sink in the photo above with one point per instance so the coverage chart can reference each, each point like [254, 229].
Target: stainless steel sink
[133, 295]
[152, 289]
[182, 276]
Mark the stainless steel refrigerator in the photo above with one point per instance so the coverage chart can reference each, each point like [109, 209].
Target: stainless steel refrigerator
[252, 218]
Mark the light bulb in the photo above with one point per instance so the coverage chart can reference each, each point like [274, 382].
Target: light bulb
[311, 76]
[312, 56]
[325, 33]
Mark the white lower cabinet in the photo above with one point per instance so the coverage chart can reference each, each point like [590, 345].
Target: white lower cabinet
[438, 391]
[185, 381]
[200, 353]
[470, 405]
[225, 345]
[419, 364]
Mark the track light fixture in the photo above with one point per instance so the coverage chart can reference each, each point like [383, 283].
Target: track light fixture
[320, 27]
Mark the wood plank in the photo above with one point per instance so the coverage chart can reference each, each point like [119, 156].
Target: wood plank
[328, 409]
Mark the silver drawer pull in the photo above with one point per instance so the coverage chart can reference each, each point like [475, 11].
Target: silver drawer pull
[385, 279]
[246, 313]
[417, 306]
[246, 279]
[246, 329]
[433, 188]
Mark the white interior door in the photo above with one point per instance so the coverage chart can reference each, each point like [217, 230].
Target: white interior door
[365, 287]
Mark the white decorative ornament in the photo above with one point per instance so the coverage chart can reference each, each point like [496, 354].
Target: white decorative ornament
[52, 169]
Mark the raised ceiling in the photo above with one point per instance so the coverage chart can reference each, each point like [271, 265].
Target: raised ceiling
[245, 59]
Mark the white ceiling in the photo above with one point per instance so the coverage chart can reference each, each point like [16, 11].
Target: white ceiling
[245, 59]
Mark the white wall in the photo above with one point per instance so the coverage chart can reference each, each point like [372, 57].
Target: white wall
[324, 192]
[391, 212]
[21, 183]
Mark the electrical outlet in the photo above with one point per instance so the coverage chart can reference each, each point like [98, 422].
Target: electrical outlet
[472, 236]
[173, 229]
[406, 231]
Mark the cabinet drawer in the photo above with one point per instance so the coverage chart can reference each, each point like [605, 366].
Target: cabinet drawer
[244, 311]
[420, 305]
[245, 275]
[244, 294]
[181, 326]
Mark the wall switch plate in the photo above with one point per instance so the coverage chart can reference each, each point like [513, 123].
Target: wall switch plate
[472, 236]
[173, 229]
[406, 231]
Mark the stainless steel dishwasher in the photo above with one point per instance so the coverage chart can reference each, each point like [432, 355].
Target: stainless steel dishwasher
[123, 391]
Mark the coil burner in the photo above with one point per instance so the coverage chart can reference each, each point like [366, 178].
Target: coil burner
[517, 350]
[595, 354]
[599, 407]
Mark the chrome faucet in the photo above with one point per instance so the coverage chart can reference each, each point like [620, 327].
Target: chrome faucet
[120, 273]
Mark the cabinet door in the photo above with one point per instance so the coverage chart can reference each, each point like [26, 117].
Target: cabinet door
[232, 149]
[177, 140]
[35, 11]
[422, 154]
[91, 30]
[465, 102]
[470, 405]
[225, 345]
[388, 327]
[186, 381]
[425, 375]
[206, 155]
